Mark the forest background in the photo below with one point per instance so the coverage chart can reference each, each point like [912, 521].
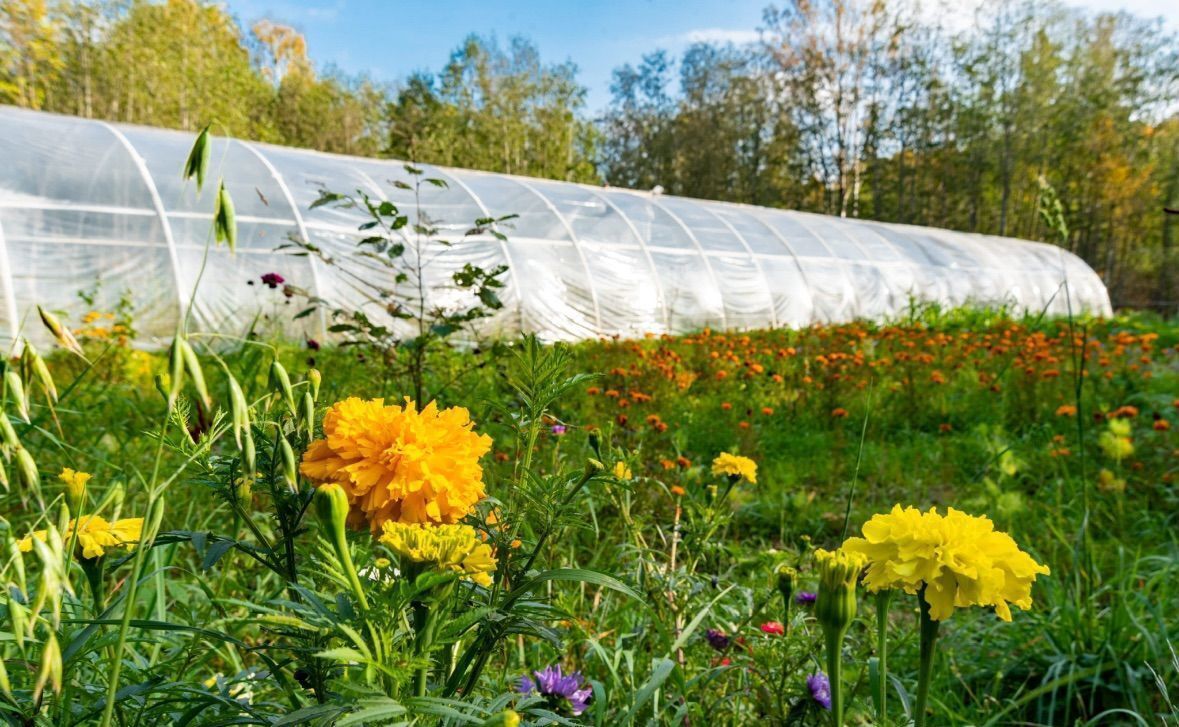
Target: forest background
[858, 108]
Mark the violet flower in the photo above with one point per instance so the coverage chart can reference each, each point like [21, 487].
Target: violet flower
[272, 280]
[805, 597]
[558, 430]
[820, 688]
[564, 693]
[717, 639]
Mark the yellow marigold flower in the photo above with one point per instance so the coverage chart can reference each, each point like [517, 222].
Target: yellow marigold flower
[622, 470]
[95, 535]
[961, 560]
[75, 483]
[399, 464]
[1115, 441]
[735, 466]
[445, 547]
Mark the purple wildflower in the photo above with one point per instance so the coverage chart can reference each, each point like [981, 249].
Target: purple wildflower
[312, 344]
[820, 688]
[717, 639]
[559, 430]
[561, 692]
[273, 280]
[805, 597]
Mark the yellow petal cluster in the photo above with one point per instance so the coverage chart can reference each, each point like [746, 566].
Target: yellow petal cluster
[399, 464]
[444, 547]
[75, 482]
[736, 466]
[961, 560]
[839, 568]
[95, 535]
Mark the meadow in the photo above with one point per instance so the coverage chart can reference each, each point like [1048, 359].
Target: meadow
[660, 519]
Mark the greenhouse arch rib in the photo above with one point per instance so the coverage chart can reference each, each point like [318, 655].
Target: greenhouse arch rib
[158, 203]
[840, 264]
[589, 278]
[646, 255]
[764, 278]
[299, 224]
[9, 286]
[756, 215]
[703, 256]
[503, 246]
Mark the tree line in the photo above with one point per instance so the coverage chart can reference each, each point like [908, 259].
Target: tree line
[858, 108]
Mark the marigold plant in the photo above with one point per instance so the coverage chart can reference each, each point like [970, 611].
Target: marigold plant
[95, 535]
[399, 464]
[960, 560]
[733, 465]
[454, 548]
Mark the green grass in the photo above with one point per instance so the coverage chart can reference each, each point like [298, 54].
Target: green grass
[1096, 648]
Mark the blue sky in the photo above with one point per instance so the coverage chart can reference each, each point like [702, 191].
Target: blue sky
[389, 39]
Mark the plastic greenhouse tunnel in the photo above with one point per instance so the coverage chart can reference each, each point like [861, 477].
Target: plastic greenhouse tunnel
[92, 206]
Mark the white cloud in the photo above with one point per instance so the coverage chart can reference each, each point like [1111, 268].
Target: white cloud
[713, 35]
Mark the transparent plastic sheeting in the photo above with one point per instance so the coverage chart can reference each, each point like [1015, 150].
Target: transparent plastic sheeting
[97, 207]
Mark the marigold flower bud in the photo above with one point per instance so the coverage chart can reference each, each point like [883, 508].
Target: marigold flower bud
[315, 378]
[331, 506]
[506, 718]
[787, 578]
[838, 572]
[75, 483]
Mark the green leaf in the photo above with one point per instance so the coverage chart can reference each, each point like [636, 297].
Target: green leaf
[660, 671]
[577, 575]
[306, 714]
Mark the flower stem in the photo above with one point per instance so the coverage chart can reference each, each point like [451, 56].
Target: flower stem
[928, 641]
[423, 620]
[882, 600]
[92, 567]
[835, 673]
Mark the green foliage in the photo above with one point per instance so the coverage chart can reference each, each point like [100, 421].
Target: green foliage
[394, 319]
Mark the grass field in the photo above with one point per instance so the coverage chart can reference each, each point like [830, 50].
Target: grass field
[679, 593]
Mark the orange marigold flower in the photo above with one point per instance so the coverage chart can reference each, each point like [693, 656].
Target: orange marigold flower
[397, 463]
[1124, 412]
[743, 424]
[1161, 425]
[677, 490]
[612, 393]
[1066, 410]
[722, 374]
[945, 427]
[667, 464]
[767, 410]
[683, 462]
[727, 406]
[593, 391]
[839, 412]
